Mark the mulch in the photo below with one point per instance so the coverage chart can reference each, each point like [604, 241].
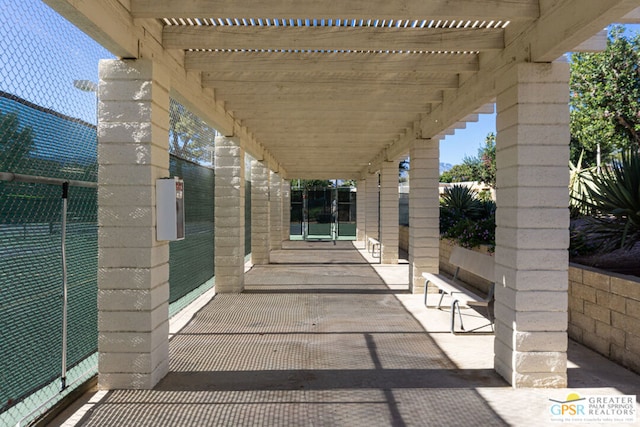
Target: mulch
[619, 261]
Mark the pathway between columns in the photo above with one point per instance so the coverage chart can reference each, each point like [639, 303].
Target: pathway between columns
[319, 339]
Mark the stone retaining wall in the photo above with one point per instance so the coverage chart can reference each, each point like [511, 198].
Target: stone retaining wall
[604, 313]
[604, 308]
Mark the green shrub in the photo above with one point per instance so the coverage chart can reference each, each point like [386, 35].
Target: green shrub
[614, 197]
[466, 219]
[461, 199]
[579, 243]
[470, 233]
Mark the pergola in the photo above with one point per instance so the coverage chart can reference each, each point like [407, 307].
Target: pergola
[328, 89]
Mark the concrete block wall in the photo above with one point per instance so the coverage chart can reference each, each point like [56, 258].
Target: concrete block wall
[260, 213]
[361, 206]
[286, 210]
[389, 213]
[229, 215]
[604, 314]
[371, 206]
[532, 223]
[133, 267]
[275, 206]
[424, 211]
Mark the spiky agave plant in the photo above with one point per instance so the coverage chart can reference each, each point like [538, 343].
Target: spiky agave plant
[462, 200]
[615, 198]
[580, 179]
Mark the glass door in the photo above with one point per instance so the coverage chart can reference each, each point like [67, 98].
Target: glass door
[323, 214]
[297, 218]
[319, 218]
[346, 217]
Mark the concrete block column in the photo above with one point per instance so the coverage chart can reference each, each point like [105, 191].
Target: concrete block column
[286, 210]
[260, 213]
[276, 211]
[229, 215]
[532, 220]
[361, 203]
[133, 267]
[372, 197]
[424, 211]
[389, 215]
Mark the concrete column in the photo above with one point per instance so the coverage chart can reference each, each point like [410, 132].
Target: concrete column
[286, 210]
[260, 221]
[372, 197]
[361, 203]
[229, 215]
[532, 220]
[133, 267]
[424, 211]
[276, 211]
[389, 215]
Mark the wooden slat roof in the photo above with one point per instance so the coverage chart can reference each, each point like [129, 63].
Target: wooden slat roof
[333, 88]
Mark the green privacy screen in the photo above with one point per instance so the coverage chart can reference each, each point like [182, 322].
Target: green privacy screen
[48, 88]
[30, 248]
[191, 259]
[39, 141]
[47, 129]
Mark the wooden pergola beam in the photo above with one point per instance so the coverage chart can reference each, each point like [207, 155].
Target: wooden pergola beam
[249, 105]
[332, 38]
[353, 9]
[374, 63]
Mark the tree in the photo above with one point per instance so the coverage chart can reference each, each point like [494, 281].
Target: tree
[487, 156]
[403, 170]
[311, 183]
[459, 173]
[190, 137]
[481, 168]
[16, 142]
[605, 96]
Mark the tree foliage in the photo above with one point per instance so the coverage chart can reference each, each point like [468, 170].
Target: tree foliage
[458, 173]
[16, 142]
[191, 138]
[614, 197]
[605, 96]
[487, 156]
[311, 183]
[403, 170]
[480, 168]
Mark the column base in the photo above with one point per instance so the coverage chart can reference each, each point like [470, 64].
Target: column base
[132, 381]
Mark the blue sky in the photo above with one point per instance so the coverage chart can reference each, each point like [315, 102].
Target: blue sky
[41, 54]
[466, 142]
[75, 56]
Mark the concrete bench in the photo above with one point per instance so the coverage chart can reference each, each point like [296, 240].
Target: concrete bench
[474, 262]
[371, 246]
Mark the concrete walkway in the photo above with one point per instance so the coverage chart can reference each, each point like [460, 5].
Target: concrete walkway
[324, 338]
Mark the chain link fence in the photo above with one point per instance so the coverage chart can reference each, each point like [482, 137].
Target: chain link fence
[191, 259]
[47, 137]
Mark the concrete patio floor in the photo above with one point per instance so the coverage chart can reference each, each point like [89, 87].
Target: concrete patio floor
[323, 337]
